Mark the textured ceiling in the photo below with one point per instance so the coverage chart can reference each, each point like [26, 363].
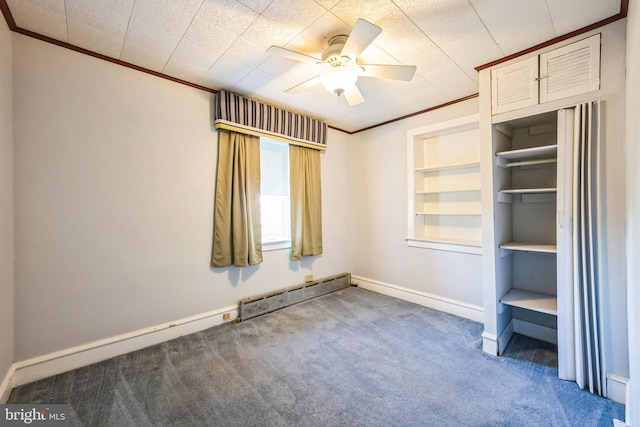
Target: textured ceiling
[221, 44]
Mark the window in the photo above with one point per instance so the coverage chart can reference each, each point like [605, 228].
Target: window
[274, 194]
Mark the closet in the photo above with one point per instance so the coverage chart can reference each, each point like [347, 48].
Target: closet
[531, 184]
[586, 241]
[529, 194]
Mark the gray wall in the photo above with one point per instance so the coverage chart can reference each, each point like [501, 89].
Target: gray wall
[114, 182]
[380, 209]
[633, 207]
[6, 203]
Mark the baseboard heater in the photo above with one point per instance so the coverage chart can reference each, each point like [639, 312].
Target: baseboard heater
[266, 303]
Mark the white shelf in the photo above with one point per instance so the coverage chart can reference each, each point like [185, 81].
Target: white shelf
[528, 156]
[530, 153]
[529, 247]
[459, 190]
[534, 301]
[530, 190]
[451, 213]
[448, 167]
[527, 163]
[445, 244]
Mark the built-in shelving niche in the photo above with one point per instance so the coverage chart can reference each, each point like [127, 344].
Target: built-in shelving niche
[444, 207]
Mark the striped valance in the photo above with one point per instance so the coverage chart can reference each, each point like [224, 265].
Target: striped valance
[242, 114]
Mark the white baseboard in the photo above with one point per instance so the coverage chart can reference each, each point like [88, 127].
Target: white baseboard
[6, 384]
[490, 343]
[40, 367]
[617, 388]
[505, 337]
[462, 309]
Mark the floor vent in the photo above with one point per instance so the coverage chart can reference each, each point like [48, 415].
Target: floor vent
[266, 303]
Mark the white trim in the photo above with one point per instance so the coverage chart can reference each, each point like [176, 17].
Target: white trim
[546, 107]
[505, 337]
[44, 366]
[276, 246]
[617, 388]
[7, 384]
[459, 308]
[459, 124]
[489, 343]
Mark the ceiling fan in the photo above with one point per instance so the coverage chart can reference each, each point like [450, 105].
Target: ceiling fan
[339, 67]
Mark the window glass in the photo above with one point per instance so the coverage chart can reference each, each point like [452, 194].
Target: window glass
[274, 191]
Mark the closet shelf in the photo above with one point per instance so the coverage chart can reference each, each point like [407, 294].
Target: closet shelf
[527, 163]
[530, 190]
[457, 190]
[545, 151]
[448, 167]
[451, 213]
[530, 247]
[534, 301]
[528, 156]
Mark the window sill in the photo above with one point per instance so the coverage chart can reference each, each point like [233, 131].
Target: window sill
[275, 246]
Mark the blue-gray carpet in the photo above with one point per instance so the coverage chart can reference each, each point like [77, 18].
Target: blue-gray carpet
[350, 358]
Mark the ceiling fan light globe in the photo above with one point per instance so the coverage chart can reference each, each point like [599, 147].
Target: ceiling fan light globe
[339, 79]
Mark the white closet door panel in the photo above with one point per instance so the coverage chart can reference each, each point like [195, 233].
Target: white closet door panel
[570, 70]
[565, 279]
[514, 86]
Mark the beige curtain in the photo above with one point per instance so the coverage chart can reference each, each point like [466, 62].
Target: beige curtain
[237, 236]
[306, 202]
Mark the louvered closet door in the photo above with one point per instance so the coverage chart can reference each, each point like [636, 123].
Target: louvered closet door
[514, 86]
[570, 70]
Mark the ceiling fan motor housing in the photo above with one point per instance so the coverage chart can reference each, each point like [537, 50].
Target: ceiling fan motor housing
[332, 53]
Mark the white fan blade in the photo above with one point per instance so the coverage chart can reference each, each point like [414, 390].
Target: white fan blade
[353, 96]
[291, 54]
[363, 33]
[396, 72]
[304, 85]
